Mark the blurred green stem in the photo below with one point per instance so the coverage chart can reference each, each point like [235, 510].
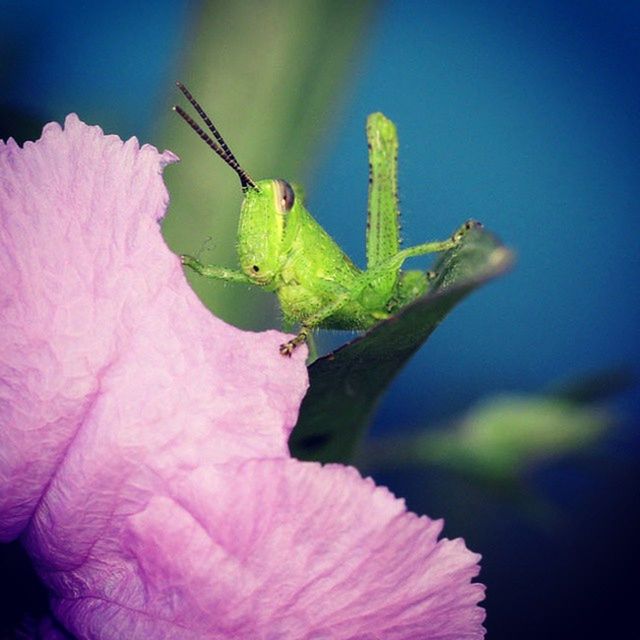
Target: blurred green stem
[271, 75]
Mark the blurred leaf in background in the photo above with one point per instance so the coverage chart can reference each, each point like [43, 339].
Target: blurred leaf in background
[498, 439]
[271, 75]
[501, 438]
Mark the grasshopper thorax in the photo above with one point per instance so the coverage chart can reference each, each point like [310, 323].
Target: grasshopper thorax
[264, 215]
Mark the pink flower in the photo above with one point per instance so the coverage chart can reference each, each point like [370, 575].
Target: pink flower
[143, 442]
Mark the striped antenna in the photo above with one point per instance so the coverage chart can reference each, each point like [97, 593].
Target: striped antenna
[221, 148]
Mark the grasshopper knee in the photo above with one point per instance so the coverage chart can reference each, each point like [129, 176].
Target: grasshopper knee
[459, 233]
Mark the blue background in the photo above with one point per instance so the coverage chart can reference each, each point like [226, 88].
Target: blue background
[523, 115]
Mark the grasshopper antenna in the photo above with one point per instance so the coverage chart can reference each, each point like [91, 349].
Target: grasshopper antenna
[221, 147]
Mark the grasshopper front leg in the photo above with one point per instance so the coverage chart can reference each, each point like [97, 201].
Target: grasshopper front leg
[211, 271]
[230, 275]
[444, 245]
[394, 263]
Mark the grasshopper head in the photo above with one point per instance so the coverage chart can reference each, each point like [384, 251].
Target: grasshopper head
[266, 205]
[261, 230]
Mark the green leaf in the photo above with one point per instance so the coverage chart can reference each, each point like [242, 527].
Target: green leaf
[346, 385]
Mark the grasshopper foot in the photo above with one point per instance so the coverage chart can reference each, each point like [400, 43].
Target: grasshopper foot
[190, 261]
[289, 347]
[467, 226]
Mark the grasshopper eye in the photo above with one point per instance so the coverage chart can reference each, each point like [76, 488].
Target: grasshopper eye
[285, 196]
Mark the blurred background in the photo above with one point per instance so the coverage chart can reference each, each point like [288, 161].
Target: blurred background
[523, 115]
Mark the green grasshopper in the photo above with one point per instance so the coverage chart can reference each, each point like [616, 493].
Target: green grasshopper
[282, 248]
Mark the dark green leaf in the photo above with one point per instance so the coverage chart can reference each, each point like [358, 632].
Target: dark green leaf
[346, 384]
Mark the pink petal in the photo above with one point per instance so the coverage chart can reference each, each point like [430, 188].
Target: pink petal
[348, 562]
[144, 457]
[103, 341]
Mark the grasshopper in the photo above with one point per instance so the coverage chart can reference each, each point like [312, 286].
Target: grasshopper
[282, 248]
